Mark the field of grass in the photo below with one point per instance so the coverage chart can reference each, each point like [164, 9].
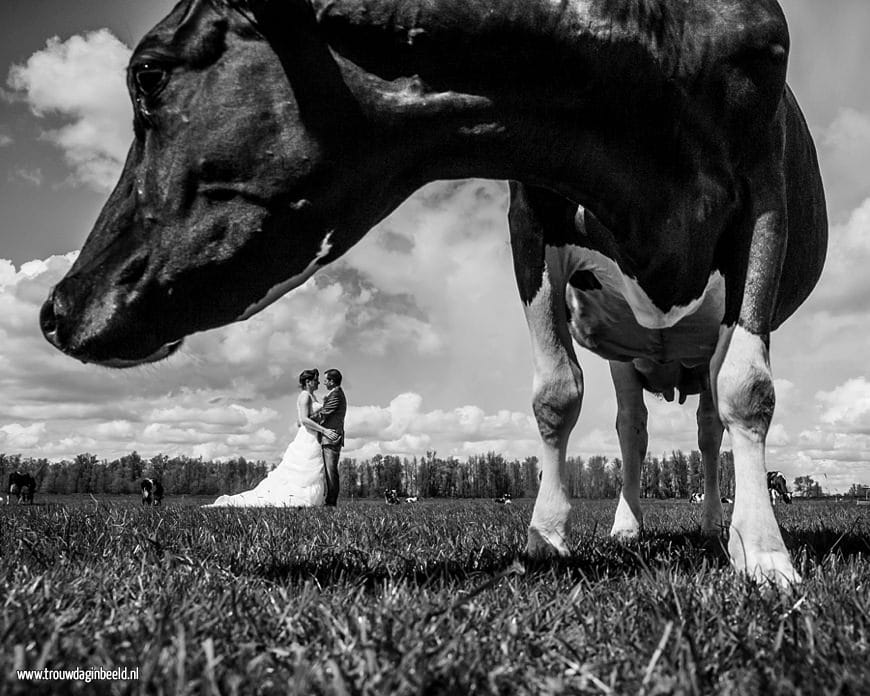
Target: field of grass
[423, 599]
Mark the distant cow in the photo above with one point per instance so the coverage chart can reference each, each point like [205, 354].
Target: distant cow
[726, 499]
[504, 500]
[412, 499]
[152, 492]
[776, 487]
[22, 486]
[390, 496]
[697, 498]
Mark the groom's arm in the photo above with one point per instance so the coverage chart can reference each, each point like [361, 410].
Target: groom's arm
[330, 404]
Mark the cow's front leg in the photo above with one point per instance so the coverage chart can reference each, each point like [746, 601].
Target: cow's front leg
[631, 419]
[558, 380]
[709, 442]
[744, 383]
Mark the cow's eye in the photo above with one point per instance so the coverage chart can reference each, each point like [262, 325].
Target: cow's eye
[150, 78]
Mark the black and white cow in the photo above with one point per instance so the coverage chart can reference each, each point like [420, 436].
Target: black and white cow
[152, 492]
[667, 210]
[776, 487]
[391, 497]
[504, 500]
[22, 486]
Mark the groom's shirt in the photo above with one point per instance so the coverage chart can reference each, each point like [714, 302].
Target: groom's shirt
[332, 415]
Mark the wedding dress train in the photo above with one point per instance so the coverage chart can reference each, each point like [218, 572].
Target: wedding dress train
[298, 481]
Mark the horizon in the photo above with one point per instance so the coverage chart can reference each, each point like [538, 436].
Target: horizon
[432, 341]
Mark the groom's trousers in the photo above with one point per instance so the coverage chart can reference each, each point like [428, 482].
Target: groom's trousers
[330, 464]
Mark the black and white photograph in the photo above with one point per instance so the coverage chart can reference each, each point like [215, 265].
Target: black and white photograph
[434, 347]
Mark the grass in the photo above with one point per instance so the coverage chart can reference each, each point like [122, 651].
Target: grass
[426, 598]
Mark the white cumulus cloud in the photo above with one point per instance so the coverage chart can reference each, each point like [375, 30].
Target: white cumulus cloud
[82, 80]
[847, 407]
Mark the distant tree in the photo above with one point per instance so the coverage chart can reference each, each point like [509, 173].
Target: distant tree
[596, 470]
[695, 474]
[530, 476]
[680, 486]
[614, 478]
[726, 473]
[808, 488]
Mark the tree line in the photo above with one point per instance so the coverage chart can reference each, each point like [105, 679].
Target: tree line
[677, 475]
[490, 475]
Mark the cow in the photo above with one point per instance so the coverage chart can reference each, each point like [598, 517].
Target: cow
[412, 499]
[391, 497]
[666, 211]
[21, 485]
[152, 491]
[503, 500]
[777, 488]
[696, 498]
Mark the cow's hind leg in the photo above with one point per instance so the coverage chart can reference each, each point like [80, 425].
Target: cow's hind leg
[631, 420]
[558, 380]
[709, 441]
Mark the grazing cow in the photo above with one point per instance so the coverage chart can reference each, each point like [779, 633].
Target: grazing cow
[697, 498]
[391, 497]
[504, 500]
[777, 488]
[22, 486]
[412, 499]
[667, 211]
[152, 492]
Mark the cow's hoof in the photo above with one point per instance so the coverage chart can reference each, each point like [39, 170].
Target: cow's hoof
[765, 566]
[625, 534]
[627, 523]
[540, 548]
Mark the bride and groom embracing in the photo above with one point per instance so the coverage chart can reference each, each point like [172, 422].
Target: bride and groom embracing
[308, 473]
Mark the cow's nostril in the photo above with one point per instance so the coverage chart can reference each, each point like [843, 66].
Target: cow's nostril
[48, 318]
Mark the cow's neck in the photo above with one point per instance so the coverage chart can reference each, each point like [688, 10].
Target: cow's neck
[534, 90]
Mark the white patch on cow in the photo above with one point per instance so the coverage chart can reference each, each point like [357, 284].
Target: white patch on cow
[283, 288]
[755, 543]
[619, 321]
[647, 315]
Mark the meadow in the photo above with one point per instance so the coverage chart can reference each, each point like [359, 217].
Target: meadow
[427, 598]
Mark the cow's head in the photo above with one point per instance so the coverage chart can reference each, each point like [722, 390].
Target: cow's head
[228, 198]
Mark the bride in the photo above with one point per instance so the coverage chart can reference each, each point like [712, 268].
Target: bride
[299, 480]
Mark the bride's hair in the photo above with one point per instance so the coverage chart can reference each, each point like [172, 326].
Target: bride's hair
[305, 375]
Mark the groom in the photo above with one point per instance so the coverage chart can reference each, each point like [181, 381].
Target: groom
[331, 416]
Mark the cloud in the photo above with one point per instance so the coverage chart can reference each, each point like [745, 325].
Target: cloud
[403, 427]
[81, 80]
[16, 436]
[845, 283]
[33, 177]
[844, 153]
[847, 407]
[230, 393]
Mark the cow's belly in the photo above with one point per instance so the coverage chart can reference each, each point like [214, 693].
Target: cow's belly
[612, 316]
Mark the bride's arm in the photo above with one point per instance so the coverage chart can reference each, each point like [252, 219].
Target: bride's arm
[303, 414]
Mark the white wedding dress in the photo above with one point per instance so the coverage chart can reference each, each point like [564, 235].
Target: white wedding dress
[298, 481]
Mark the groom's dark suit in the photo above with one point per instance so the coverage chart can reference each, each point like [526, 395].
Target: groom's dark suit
[331, 415]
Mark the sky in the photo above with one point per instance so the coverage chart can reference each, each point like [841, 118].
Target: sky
[422, 316]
